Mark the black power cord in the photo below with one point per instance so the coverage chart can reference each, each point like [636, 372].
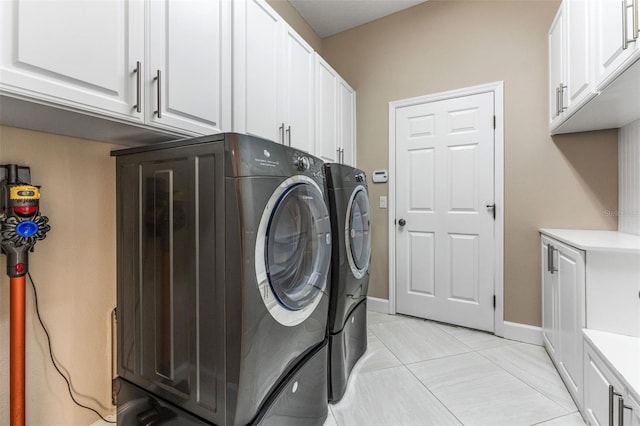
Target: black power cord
[53, 361]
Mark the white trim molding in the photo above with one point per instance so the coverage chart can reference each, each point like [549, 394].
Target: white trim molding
[497, 88]
[522, 333]
[376, 304]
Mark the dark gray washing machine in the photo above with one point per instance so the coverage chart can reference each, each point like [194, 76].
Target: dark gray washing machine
[224, 245]
[351, 229]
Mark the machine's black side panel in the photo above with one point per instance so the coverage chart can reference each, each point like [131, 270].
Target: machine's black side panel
[346, 348]
[301, 399]
[170, 287]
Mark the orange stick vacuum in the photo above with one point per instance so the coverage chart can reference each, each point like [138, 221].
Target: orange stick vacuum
[17, 351]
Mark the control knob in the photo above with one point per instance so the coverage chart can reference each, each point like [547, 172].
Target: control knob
[302, 163]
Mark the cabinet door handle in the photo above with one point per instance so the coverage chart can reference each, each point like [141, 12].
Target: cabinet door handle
[281, 129]
[635, 12]
[625, 24]
[158, 78]
[612, 394]
[550, 262]
[138, 71]
[338, 155]
[289, 134]
[562, 89]
[557, 102]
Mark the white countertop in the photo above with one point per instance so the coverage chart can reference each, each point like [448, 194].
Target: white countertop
[596, 240]
[621, 353]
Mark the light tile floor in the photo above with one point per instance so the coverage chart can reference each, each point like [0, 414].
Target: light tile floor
[418, 372]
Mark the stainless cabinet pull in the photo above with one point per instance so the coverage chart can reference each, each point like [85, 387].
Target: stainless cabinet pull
[281, 129]
[557, 101]
[138, 71]
[289, 134]
[612, 394]
[636, 12]
[550, 263]
[562, 89]
[158, 77]
[338, 155]
[625, 25]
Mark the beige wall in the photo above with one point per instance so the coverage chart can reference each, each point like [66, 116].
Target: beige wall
[74, 269]
[566, 181]
[297, 22]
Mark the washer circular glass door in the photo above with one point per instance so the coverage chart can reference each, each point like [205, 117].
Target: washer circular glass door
[293, 250]
[358, 232]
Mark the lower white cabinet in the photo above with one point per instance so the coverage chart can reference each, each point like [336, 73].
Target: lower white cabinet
[607, 401]
[563, 306]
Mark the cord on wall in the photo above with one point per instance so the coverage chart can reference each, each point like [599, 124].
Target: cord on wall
[53, 361]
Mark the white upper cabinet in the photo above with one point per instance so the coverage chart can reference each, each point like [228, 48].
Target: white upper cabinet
[578, 57]
[273, 77]
[72, 53]
[298, 108]
[335, 119]
[594, 73]
[557, 61]
[327, 147]
[347, 122]
[616, 37]
[89, 56]
[570, 79]
[188, 75]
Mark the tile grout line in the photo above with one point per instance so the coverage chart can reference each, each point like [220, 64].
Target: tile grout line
[528, 384]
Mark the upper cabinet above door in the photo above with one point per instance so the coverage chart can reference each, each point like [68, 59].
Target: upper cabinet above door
[73, 53]
[273, 77]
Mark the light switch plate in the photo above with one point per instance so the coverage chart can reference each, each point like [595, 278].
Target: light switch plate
[383, 201]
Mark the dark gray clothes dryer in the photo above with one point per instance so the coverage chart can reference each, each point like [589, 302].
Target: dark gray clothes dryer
[224, 246]
[351, 229]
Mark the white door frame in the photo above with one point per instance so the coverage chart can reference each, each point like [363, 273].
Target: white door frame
[497, 89]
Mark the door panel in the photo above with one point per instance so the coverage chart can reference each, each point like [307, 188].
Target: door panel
[444, 180]
[422, 249]
[299, 89]
[191, 81]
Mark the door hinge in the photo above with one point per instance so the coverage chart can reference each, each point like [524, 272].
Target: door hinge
[494, 121]
[494, 302]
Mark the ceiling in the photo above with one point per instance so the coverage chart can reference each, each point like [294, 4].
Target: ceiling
[329, 17]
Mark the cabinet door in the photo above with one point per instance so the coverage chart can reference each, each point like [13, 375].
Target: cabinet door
[612, 55]
[571, 315]
[346, 122]
[189, 47]
[549, 303]
[633, 412]
[73, 53]
[556, 65]
[298, 92]
[326, 104]
[578, 51]
[257, 51]
[597, 379]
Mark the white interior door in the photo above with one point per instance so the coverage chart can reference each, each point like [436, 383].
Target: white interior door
[444, 225]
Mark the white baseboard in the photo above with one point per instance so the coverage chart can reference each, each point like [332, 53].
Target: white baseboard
[378, 305]
[111, 418]
[522, 333]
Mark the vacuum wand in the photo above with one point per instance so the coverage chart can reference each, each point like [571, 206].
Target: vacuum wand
[21, 226]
